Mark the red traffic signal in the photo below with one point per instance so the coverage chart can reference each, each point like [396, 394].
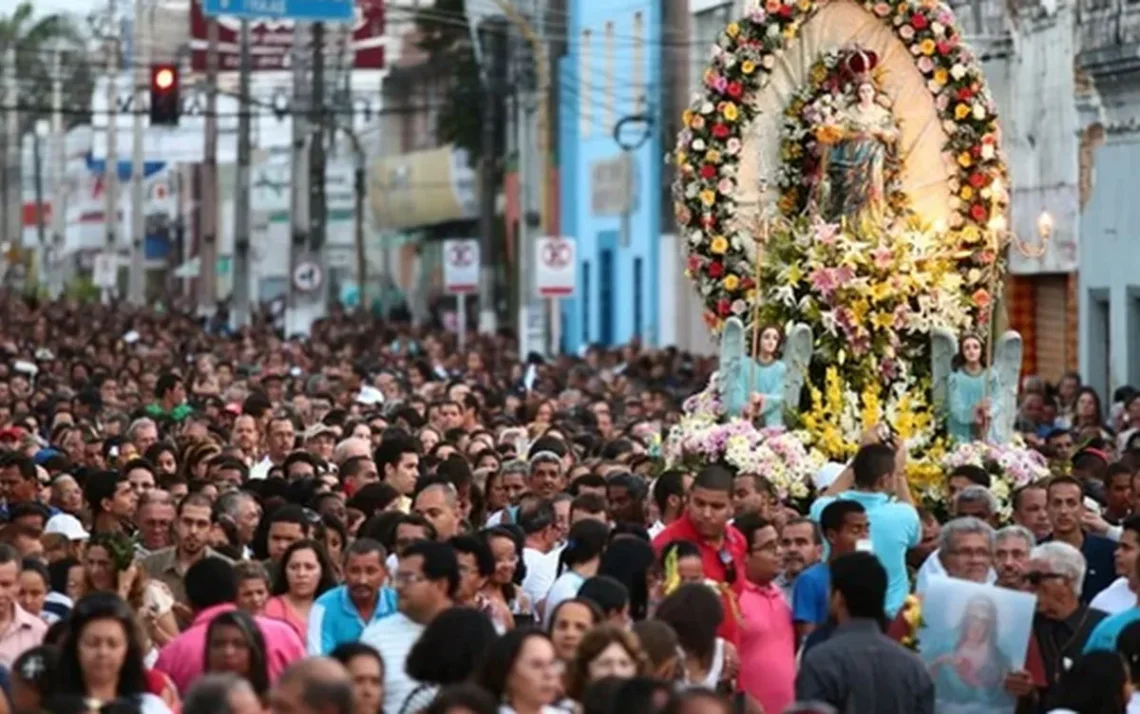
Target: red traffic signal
[164, 99]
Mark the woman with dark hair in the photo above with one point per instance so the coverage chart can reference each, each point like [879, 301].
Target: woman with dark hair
[109, 565]
[579, 561]
[1089, 415]
[305, 574]
[164, 457]
[102, 657]
[335, 541]
[695, 612]
[463, 699]
[234, 643]
[521, 672]
[1098, 683]
[366, 667]
[446, 653]
[32, 677]
[629, 560]
[505, 584]
[569, 623]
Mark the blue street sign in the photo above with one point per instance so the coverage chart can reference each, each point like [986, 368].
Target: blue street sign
[306, 10]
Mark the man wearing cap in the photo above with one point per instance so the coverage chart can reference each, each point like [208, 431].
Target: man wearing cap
[320, 439]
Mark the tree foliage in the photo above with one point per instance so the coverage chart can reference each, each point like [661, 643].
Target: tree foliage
[445, 37]
[35, 39]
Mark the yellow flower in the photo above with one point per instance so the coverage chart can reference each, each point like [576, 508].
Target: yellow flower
[687, 117]
[967, 192]
[965, 160]
[682, 158]
[880, 291]
[961, 111]
[750, 294]
[926, 47]
[790, 32]
[729, 111]
[818, 74]
[941, 76]
[971, 234]
[732, 30]
[712, 156]
[794, 275]
[882, 320]
[719, 245]
[859, 310]
[804, 5]
[731, 283]
[747, 66]
[708, 197]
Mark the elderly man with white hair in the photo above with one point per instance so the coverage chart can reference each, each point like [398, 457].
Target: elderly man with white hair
[1062, 624]
[974, 503]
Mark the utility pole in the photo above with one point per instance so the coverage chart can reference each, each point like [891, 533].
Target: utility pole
[493, 38]
[111, 164]
[58, 176]
[317, 156]
[13, 192]
[240, 313]
[38, 183]
[136, 280]
[297, 307]
[208, 201]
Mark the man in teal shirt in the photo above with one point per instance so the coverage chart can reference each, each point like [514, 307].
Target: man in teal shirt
[877, 481]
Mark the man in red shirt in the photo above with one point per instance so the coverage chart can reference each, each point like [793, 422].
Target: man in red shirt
[704, 523]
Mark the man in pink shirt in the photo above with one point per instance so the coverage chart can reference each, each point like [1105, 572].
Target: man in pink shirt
[767, 638]
[211, 587]
[19, 629]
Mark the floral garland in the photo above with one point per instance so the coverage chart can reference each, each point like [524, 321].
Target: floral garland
[814, 107]
[874, 299]
[708, 150]
[1010, 466]
[701, 438]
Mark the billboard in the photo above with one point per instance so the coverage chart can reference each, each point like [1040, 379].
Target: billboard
[272, 40]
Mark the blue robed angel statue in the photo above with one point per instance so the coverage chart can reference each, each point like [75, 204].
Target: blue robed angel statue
[977, 402]
[771, 383]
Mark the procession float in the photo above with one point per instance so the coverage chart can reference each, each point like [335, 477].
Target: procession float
[842, 196]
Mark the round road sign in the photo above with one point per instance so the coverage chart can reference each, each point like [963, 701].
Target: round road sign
[307, 277]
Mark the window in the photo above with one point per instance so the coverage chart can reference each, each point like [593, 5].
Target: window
[608, 111]
[637, 80]
[585, 302]
[584, 115]
[638, 296]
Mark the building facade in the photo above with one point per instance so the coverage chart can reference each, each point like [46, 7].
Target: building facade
[611, 100]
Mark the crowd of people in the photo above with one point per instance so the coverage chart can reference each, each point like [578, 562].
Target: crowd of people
[370, 521]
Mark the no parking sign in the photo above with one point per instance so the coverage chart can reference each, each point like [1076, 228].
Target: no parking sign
[555, 269]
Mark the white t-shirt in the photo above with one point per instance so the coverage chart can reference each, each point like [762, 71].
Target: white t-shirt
[393, 638]
[540, 570]
[152, 704]
[1134, 704]
[1117, 597]
[260, 470]
[565, 587]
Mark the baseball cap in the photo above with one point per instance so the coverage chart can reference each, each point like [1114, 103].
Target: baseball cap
[67, 525]
[319, 429]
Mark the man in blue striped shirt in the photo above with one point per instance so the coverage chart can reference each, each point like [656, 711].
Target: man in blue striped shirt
[341, 614]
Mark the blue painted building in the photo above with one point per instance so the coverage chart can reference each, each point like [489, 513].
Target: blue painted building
[611, 71]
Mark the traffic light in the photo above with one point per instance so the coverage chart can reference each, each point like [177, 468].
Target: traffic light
[164, 106]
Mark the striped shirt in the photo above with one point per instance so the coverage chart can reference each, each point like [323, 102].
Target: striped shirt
[393, 638]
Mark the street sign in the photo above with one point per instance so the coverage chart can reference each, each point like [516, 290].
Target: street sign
[555, 273]
[307, 10]
[307, 277]
[105, 271]
[460, 266]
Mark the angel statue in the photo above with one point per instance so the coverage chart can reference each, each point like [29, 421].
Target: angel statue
[970, 396]
[775, 383]
[856, 150]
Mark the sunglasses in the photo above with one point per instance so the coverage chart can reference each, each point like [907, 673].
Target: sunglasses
[1035, 578]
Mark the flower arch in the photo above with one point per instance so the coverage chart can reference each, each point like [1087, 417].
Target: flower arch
[709, 148]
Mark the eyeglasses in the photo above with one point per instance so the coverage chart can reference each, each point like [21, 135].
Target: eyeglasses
[1035, 578]
[405, 579]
